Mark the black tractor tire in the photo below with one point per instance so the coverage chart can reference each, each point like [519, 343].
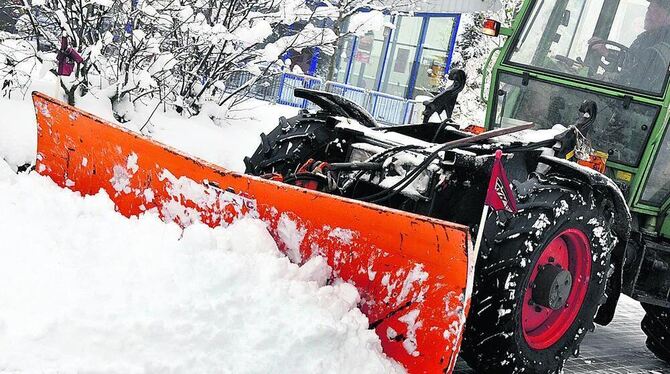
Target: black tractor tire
[290, 144]
[494, 339]
[656, 325]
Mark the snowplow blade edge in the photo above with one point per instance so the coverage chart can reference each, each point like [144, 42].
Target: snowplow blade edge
[411, 271]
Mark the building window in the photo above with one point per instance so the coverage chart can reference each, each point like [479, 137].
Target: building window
[368, 59]
[402, 51]
[407, 61]
[434, 56]
[342, 60]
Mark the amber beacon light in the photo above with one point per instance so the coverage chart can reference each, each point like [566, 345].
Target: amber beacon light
[491, 27]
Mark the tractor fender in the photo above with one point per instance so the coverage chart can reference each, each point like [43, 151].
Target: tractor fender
[622, 225]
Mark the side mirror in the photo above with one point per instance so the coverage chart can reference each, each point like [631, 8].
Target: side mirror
[491, 27]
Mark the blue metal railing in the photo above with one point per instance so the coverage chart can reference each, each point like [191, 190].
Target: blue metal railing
[356, 94]
[289, 82]
[264, 88]
[385, 108]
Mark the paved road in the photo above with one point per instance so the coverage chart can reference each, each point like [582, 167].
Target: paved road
[614, 349]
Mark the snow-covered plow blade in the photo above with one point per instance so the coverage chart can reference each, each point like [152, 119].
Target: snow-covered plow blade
[411, 271]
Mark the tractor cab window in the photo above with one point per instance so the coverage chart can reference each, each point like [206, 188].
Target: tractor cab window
[621, 129]
[624, 43]
[657, 190]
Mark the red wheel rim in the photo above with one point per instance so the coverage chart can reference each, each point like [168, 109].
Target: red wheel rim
[543, 326]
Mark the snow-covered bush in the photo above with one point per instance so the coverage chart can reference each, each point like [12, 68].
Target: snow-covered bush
[235, 42]
[184, 53]
[16, 63]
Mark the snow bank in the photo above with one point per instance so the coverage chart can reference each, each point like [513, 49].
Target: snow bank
[85, 289]
[226, 144]
[18, 132]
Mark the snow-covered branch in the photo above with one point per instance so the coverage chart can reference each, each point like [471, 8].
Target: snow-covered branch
[134, 50]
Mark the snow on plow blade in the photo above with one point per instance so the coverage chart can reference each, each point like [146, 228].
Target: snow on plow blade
[411, 271]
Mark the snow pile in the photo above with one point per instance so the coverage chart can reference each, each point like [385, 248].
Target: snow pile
[18, 132]
[530, 136]
[364, 22]
[225, 144]
[85, 289]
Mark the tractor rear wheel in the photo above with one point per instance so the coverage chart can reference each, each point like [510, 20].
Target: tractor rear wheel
[540, 278]
[656, 325]
[290, 144]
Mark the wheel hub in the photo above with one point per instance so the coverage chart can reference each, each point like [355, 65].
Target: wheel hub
[556, 290]
[552, 287]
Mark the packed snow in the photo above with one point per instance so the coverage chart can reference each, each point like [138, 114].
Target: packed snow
[86, 289]
[18, 132]
[223, 144]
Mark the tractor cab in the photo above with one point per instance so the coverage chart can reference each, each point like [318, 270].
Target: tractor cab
[615, 53]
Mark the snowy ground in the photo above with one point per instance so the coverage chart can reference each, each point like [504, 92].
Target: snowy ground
[85, 289]
[618, 348]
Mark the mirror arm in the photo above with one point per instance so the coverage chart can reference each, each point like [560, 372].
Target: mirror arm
[485, 73]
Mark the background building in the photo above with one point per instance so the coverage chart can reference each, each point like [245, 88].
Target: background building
[407, 60]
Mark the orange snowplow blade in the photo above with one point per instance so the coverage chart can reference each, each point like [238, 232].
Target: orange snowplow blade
[411, 271]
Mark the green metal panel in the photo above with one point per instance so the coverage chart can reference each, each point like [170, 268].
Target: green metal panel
[665, 229]
[648, 158]
[643, 209]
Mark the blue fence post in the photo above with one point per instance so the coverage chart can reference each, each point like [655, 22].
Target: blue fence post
[452, 43]
[281, 89]
[316, 53]
[385, 52]
[350, 63]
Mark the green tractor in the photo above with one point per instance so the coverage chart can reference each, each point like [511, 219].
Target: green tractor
[593, 184]
[560, 53]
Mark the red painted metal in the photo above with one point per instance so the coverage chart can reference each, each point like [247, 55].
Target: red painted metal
[543, 327]
[403, 265]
